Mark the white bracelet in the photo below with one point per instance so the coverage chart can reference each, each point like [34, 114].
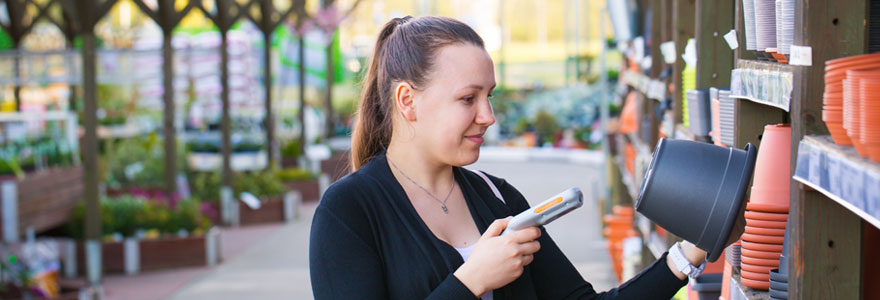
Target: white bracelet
[682, 263]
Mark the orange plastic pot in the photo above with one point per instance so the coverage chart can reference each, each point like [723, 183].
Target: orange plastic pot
[766, 216]
[765, 224]
[760, 262]
[838, 133]
[766, 239]
[761, 254]
[761, 247]
[769, 199]
[756, 284]
[757, 269]
[629, 115]
[725, 281]
[774, 157]
[764, 231]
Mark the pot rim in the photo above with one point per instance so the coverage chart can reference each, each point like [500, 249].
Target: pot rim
[737, 206]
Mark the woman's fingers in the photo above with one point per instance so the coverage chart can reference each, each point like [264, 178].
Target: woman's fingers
[495, 228]
[527, 259]
[529, 248]
[526, 235]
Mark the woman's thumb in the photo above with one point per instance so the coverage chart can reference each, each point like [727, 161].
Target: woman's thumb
[495, 228]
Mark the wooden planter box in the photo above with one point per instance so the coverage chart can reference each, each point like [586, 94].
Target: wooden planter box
[272, 210]
[43, 200]
[150, 255]
[309, 189]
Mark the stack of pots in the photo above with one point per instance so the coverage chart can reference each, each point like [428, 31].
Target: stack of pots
[779, 277]
[629, 158]
[618, 227]
[851, 108]
[767, 210]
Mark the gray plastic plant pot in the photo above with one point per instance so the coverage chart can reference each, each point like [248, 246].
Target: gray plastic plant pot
[775, 275]
[697, 191]
[778, 294]
[708, 286]
[779, 286]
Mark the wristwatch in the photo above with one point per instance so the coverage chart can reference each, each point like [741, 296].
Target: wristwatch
[682, 263]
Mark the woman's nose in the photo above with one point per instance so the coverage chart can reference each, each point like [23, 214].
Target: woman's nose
[485, 115]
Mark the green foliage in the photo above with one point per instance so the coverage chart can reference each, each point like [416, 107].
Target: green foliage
[545, 124]
[139, 162]
[206, 185]
[295, 174]
[258, 183]
[291, 149]
[127, 214]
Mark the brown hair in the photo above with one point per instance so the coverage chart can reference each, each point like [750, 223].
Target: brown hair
[404, 52]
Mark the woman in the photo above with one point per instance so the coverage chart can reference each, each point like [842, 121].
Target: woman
[409, 222]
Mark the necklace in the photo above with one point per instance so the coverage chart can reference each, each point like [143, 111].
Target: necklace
[442, 202]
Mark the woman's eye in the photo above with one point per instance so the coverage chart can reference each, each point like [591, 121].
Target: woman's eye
[468, 99]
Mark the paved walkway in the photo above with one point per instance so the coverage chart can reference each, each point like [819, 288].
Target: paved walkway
[271, 262]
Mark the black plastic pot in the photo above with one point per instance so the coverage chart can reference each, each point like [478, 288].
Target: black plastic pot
[779, 286]
[778, 294]
[696, 191]
[708, 286]
[783, 259]
[778, 277]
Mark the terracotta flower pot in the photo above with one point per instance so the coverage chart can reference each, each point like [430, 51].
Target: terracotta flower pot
[774, 156]
[770, 208]
[765, 224]
[766, 239]
[838, 134]
[764, 231]
[757, 269]
[760, 262]
[766, 216]
[754, 275]
[760, 254]
[707, 181]
[746, 245]
[725, 281]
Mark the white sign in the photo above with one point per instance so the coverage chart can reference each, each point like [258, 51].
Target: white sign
[730, 37]
[668, 50]
[801, 56]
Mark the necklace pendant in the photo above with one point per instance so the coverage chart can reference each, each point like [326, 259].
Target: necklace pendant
[444, 208]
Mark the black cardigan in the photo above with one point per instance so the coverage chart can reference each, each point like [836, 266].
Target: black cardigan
[368, 242]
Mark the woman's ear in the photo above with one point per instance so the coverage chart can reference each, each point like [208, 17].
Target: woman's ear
[404, 98]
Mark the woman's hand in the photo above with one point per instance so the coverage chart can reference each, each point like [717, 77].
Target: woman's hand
[498, 260]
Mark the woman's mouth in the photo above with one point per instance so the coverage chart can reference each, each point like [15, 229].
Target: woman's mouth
[475, 138]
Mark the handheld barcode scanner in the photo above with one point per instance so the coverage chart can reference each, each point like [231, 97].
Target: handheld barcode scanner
[547, 211]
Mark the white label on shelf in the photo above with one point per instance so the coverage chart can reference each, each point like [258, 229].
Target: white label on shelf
[730, 37]
[690, 53]
[834, 178]
[872, 194]
[815, 170]
[801, 56]
[668, 50]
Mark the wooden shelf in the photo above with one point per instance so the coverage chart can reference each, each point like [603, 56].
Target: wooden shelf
[652, 88]
[839, 173]
[627, 178]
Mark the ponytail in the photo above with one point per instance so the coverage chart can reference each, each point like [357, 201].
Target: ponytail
[402, 53]
[372, 126]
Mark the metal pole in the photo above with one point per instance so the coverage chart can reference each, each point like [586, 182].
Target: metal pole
[225, 120]
[301, 115]
[603, 109]
[328, 95]
[267, 61]
[90, 147]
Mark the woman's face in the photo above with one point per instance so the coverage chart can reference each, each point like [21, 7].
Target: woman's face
[452, 110]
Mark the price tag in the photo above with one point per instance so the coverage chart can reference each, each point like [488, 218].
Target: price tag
[690, 53]
[872, 194]
[730, 37]
[668, 51]
[834, 172]
[801, 56]
[815, 173]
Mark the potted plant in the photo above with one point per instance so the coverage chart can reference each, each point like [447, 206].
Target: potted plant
[302, 180]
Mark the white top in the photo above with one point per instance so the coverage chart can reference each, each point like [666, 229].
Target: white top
[465, 254]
